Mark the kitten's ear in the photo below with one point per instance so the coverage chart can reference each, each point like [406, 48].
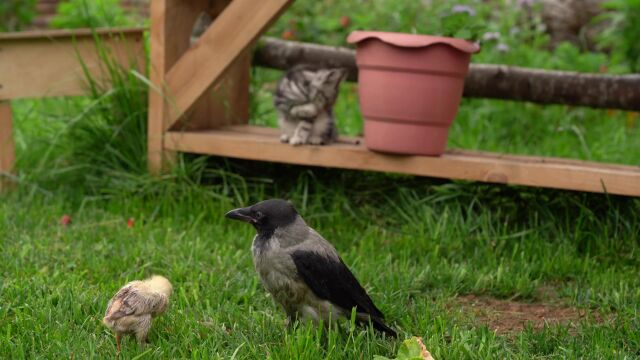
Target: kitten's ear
[337, 75]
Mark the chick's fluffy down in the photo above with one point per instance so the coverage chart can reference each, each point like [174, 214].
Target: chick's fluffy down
[136, 303]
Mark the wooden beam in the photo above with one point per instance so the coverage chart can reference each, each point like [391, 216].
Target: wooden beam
[7, 150]
[225, 104]
[69, 33]
[224, 42]
[228, 102]
[171, 25]
[484, 80]
[256, 143]
[47, 63]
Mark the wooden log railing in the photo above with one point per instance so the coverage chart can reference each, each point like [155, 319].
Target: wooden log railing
[483, 81]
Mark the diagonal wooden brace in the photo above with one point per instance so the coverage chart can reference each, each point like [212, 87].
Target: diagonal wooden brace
[205, 64]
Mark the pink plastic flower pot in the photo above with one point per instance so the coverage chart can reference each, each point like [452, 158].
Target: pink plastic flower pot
[410, 87]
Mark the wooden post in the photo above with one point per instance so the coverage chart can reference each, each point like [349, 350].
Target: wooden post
[171, 25]
[7, 152]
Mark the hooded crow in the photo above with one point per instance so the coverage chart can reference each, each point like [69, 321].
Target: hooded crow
[302, 270]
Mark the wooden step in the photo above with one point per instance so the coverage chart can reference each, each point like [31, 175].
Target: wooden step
[260, 143]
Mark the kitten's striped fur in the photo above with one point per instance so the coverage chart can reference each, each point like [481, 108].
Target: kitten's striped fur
[304, 99]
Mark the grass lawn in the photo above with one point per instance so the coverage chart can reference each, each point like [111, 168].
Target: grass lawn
[479, 271]
[416, 247]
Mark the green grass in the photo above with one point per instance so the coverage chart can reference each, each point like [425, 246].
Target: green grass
[416, 244]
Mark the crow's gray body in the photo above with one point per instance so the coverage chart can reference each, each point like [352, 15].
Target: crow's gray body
[274, 263]
[303, 271]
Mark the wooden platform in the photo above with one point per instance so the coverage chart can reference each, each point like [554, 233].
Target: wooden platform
[205, 93]
[260, 143]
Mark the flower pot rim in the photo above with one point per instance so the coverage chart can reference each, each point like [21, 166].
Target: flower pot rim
[413, 40]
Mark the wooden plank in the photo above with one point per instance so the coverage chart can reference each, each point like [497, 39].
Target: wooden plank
[228, 102]
[7, 152]
[171, 25]
[225, 104]
[49, 65]
[68, 33]
[226, 39]
[262, 144]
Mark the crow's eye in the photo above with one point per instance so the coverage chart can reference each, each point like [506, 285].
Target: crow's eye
[259, 215]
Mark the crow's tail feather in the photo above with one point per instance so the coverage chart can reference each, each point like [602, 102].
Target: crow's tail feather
[379, 325]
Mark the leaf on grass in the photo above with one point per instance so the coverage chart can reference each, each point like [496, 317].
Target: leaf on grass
[411, 349]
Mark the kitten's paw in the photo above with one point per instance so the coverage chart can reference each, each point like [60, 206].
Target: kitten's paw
[303, 112]
[284, 138]
[317, 140]
[296, 141]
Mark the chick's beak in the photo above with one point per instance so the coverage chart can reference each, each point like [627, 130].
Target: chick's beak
[242, 214]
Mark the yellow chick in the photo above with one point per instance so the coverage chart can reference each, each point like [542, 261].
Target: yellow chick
[131, 309]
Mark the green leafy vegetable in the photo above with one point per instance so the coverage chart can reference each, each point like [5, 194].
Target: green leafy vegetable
[411, 349]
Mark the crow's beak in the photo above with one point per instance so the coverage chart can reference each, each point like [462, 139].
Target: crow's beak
[242, 214]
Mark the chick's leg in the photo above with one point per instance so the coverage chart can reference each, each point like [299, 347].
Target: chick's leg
[118, 336]
[142, 330]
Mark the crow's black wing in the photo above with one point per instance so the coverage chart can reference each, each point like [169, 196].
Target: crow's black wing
[331, 280]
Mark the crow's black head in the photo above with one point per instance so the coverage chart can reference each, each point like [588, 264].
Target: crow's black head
[266, 216]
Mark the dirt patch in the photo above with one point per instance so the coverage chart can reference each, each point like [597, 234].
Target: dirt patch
[506, 317]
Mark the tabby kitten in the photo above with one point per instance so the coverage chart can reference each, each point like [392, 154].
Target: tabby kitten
[304, 99]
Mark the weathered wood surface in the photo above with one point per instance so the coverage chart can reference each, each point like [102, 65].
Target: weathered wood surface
[171, 25]
[68, 33]
[225, 41]
[227, 103]
[7, 152]
[223, 104]
[258, 143]
[47, 63]
[483, 81]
